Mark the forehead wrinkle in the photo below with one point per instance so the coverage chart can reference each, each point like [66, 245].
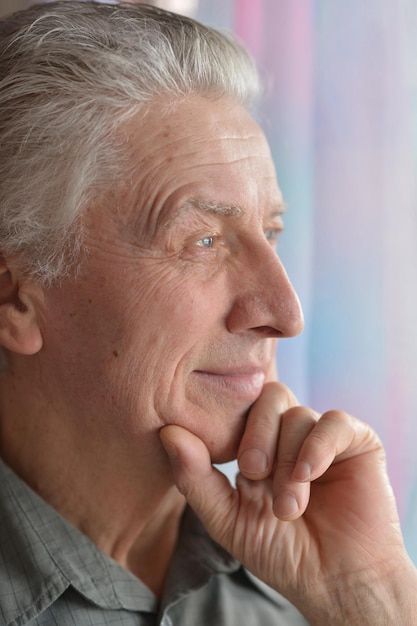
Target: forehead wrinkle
[187, 142]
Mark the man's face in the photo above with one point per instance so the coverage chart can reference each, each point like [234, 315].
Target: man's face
[174, 316]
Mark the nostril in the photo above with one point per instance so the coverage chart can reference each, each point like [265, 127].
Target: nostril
[268, 332]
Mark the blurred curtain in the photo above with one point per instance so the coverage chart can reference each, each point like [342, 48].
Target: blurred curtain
[8, 6]
[341, 116]
[340, 112]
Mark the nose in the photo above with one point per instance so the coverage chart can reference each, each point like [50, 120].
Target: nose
[264, 298]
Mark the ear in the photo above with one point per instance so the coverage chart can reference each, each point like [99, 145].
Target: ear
[19, 327]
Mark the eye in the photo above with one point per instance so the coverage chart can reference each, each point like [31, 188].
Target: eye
[272, 235]
[206, 242]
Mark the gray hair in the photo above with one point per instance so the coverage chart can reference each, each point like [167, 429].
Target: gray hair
[70, 74]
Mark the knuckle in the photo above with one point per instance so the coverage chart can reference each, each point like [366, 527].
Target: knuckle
[285, 466]
[322, 439]
[337, 416]
[300, 412]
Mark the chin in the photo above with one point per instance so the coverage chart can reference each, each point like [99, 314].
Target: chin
[224, 448]
[221, 435]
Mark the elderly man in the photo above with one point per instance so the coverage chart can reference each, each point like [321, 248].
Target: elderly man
[140, 301]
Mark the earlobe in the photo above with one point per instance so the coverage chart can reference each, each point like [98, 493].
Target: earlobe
[19, 327]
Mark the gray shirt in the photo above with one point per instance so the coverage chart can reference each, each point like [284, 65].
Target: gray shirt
[52, 574]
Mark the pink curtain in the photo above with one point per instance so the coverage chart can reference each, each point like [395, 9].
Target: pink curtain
[341, 115]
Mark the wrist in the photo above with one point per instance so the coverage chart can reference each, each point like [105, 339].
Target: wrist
[368, 598]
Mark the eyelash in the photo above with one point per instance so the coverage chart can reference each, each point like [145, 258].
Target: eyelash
[271, 235]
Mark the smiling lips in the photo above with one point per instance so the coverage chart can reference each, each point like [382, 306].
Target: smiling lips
[242, 384]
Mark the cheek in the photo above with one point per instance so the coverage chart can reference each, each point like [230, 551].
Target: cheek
[166, 308]
[131, 340]
[128, 304]
[165, 322]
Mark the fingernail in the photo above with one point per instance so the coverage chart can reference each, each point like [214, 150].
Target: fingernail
[302, 471]
[285, 505]
[253, 461]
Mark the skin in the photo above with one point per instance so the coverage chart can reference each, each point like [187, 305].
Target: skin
[125, 385]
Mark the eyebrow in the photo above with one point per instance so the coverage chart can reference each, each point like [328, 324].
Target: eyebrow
[279, 209]
[219, 208]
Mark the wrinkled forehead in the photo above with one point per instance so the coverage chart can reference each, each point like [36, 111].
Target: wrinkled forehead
[200, 123]
[209, 149]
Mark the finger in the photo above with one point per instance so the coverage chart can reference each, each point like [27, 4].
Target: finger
[336, 437]
[257, 450]
[206, 490]
[290, 496]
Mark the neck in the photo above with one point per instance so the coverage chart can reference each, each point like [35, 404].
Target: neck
[119, 493]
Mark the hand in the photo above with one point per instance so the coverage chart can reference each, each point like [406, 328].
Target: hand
[313, 514]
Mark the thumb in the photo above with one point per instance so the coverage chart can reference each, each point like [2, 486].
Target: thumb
[206, 490]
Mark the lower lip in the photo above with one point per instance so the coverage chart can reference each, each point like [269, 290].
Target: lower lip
[245, 387]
